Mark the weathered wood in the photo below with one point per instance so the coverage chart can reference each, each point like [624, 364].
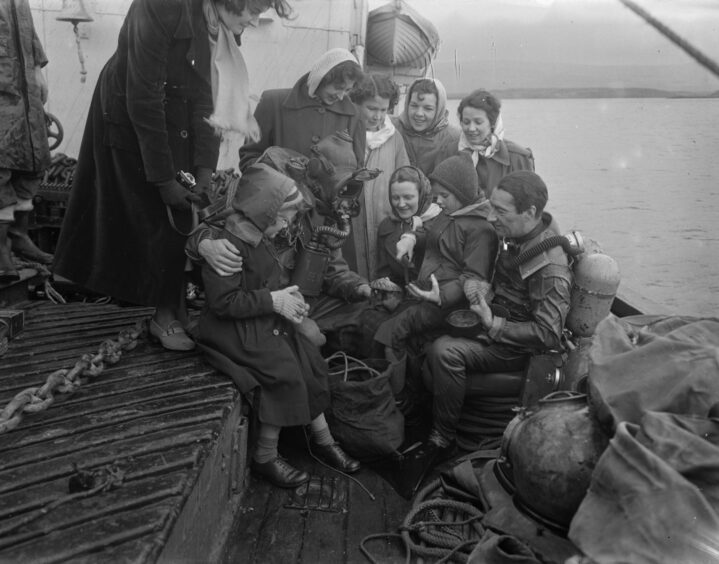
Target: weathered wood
[165, 422]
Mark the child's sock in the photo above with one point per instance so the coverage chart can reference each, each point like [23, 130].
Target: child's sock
[320, 431]
[266, 448]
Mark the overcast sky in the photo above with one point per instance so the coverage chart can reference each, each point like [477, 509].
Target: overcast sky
[596, 32]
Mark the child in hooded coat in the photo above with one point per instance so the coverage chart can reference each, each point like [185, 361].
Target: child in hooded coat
[252, 329]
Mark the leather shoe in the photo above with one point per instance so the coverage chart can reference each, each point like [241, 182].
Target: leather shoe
[172, 337]
[280, 473]
[336, 458]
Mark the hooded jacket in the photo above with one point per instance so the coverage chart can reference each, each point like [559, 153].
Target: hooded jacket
[458, 246]
[239, 331]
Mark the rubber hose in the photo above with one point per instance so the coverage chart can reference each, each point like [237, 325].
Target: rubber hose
[554, 241]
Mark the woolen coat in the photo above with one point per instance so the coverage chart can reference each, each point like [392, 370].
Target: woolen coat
[146, 123]
[23, 133]
[290, 118]
[260, 350]
[376, 205]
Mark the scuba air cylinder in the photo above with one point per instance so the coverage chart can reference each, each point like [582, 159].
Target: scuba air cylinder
[596, 279]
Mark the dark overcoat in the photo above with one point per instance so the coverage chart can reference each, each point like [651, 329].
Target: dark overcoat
[260, 350]
[23, 134]
[291, 119]
[146, 122]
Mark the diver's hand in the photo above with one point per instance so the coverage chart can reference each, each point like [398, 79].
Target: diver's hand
[221, 255]
[432, 295]
[177, 196]
[484, 311]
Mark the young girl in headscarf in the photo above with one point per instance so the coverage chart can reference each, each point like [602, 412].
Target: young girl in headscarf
[253, 328]
[483, 139]
[428, 136]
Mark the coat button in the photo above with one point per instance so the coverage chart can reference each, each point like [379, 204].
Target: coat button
[321, 110]
[315, 139]
[184, 134]
[275, 332]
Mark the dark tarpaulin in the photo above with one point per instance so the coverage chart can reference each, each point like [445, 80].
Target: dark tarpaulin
[654, 495]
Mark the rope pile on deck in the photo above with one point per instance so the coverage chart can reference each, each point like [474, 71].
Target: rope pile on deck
[64, 380]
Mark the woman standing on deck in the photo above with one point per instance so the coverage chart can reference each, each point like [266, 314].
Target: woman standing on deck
[428, 136]
[375, 96]
[316, 107]
[253, 328]
[156, 105]
[483, 139]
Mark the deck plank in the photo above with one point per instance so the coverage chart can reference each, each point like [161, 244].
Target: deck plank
[156, 415]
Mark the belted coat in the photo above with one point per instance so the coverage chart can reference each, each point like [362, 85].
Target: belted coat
[146, 123]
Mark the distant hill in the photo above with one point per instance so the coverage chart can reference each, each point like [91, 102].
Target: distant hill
[529, 93]
[546, 79]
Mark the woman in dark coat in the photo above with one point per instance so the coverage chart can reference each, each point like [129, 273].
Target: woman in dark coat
[252, 328]
[483, 139]
[317, 106]
[148, 120]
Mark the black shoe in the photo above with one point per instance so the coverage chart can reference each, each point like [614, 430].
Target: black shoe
[280, 473]
[336, 457]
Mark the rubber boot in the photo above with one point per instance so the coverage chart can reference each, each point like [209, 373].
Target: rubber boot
[22, 245]
[8, 273]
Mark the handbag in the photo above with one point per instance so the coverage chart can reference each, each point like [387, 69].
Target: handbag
[363, 415]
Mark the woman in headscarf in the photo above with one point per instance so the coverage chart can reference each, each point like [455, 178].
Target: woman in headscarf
[254, 329]
[157, 105]
[428, 136]
[483, 139]
[317, 106]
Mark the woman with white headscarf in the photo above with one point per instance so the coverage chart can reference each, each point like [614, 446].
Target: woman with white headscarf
[428, 136]
[483, 139]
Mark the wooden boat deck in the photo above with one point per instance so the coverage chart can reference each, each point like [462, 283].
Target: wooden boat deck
[167, 437]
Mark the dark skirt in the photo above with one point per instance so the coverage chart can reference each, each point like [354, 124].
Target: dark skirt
[116, 238]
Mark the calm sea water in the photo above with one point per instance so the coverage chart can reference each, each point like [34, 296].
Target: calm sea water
[641, 177]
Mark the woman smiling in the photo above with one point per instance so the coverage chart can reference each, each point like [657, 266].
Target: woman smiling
[483, 138]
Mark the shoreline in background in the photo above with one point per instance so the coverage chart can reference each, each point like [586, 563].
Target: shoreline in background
[558, 93]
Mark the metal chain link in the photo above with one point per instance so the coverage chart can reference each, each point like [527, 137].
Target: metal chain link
[38, 398]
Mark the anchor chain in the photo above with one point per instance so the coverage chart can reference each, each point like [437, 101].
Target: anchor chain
[38, 398]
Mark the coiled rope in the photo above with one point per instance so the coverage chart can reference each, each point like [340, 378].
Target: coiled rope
[443, 529]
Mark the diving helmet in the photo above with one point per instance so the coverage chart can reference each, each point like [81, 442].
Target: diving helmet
[547, 457]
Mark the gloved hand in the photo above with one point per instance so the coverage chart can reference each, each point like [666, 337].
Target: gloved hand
[176, 196]
[290, 304]
[405, 246]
